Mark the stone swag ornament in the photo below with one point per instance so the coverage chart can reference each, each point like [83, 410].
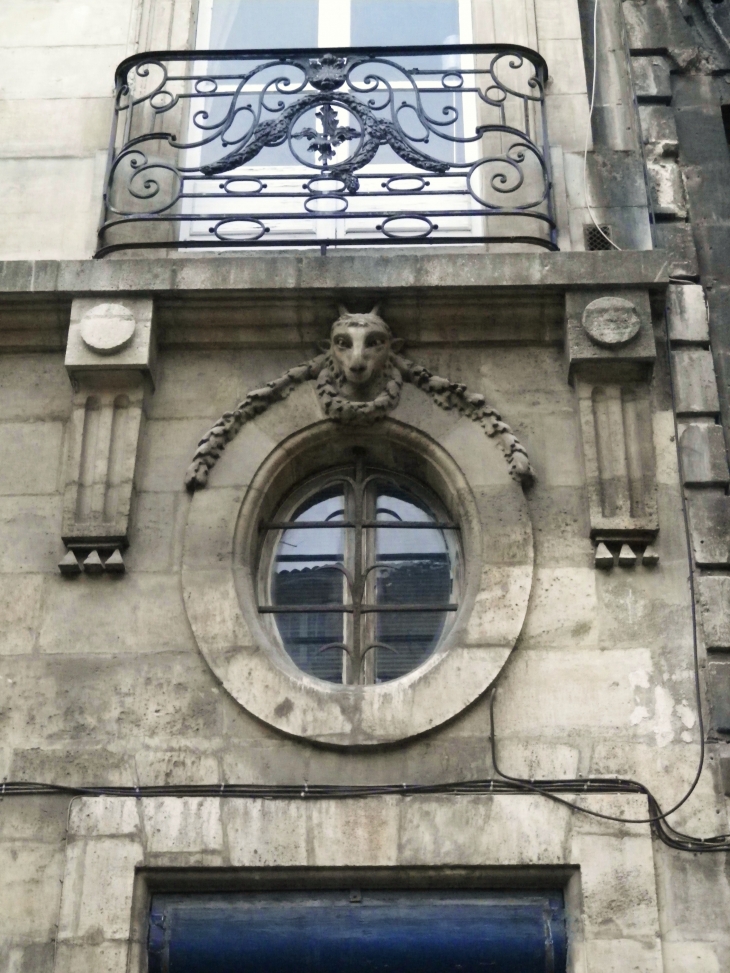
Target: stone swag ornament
[359, 377]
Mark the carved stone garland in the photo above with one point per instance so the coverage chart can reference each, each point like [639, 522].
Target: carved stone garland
[330, 380]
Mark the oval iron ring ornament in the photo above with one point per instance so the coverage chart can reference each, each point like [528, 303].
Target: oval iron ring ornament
[257, 469]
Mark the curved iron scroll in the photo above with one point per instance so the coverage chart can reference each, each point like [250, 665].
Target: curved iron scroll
[351, 146]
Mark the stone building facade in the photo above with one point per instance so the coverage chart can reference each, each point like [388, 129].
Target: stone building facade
[553, 413]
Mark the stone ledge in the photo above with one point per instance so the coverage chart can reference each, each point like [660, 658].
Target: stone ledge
[364, 269]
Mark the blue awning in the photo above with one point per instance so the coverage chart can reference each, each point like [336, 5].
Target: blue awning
[372, 932]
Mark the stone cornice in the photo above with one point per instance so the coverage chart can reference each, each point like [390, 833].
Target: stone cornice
[288, 299]
[381, 271]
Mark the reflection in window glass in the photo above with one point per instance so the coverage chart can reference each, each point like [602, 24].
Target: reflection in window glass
[416, 570]
[347, 577]
[305, 574]
[250, 24]
[401, 22]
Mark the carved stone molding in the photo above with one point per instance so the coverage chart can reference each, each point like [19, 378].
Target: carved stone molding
[611, 322]
[610, 350]
[110, 358]
[610, 331]
[115, 335]
[619, 460]
[358, 381]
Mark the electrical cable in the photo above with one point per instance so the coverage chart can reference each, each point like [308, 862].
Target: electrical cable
[504, 784]
[550, 789]
[710, 14]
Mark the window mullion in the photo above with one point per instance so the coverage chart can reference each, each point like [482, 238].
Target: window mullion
[370, 620]
[349, 556]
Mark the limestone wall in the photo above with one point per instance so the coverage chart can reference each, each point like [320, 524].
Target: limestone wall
[57, 64]
[103, 681]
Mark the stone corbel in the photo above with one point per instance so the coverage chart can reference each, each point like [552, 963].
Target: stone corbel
[611, 351]
[110, 358]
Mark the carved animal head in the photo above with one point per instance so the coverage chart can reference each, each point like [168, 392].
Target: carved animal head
[361, 347]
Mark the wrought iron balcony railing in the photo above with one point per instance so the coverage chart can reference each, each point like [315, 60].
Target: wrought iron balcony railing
[329, 148]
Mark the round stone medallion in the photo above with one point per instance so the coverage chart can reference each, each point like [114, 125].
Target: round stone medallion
[107, 328]
[611, 321]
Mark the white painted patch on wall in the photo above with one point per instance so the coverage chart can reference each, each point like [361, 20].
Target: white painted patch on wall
[686, 715]
[639, 679]
[663, 707]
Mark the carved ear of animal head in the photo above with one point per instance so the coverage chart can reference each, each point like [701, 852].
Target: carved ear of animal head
[344, 313]
[376, 311]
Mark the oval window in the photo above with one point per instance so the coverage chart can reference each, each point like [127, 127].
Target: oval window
[359, 574]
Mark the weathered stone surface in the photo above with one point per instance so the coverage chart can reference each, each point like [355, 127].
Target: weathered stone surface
[704, 458]
[710, 523]
[687, 314]
[101, 681]
[667, 188]
[111, 336]
[107, 328]
[714, 605]
[659, 129]
[635, 344]
[695, 383]
[718, 678]
[651, 78]
[611, 321]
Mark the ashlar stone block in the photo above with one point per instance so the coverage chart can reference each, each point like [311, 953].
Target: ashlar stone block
[612, 328]
[714, 604]
[651, 79]
[659, 128]
[694, 382]
[704, 458]
[687, 314]
[710, 525]
[718, 678]
[667, 187]
[114, 335]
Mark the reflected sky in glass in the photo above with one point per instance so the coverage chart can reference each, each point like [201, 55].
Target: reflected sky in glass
[392, 542]
[401, 22]
[325, 545]
[249, 24]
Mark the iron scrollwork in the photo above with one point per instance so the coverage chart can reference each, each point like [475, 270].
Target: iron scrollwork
[320, 148]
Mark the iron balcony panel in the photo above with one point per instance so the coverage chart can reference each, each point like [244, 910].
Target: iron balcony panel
[351, 146]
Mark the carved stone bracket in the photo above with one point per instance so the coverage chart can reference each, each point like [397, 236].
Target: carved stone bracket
[610, 350]
[110, 359]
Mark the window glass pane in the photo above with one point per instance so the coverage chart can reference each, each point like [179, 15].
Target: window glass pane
[404, 23]
[304, 575]
[401, 576]
[250, 24]
[401, 22]
[418, 572]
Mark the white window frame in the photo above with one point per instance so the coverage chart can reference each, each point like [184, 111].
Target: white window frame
[334, 29]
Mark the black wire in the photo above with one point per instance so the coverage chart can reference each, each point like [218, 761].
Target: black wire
[549, 789]
[657, 821]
